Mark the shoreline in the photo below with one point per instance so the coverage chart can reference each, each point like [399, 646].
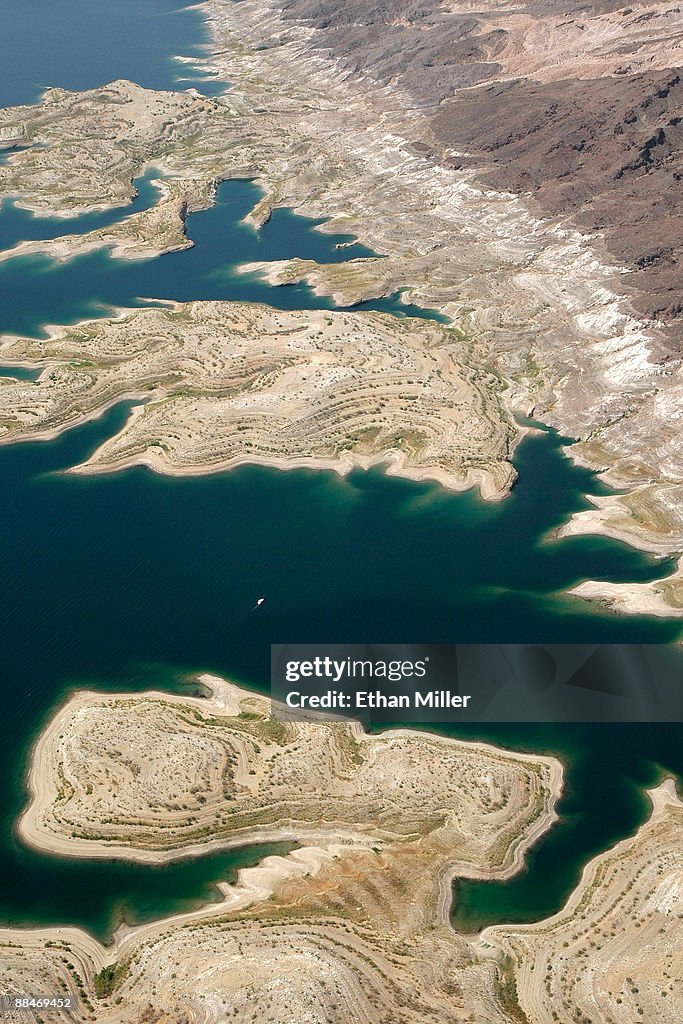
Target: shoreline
[396, 463]
[254, 884]
[625, 598]
[120, 237]
[320, 847]
[613, 308]
[660, 795]
[494, 483]
[257, 883]
[530, 945]
[225, 699]
[621, 598]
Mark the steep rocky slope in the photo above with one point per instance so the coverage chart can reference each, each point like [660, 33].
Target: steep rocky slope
[579, 104]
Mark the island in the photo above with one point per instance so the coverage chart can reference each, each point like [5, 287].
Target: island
[354, 923]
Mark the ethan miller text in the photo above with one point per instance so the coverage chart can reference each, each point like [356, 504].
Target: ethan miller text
[339, 699]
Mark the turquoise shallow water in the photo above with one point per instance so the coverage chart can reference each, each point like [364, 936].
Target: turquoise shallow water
[81, 44]
[20, 372]
[127, 580]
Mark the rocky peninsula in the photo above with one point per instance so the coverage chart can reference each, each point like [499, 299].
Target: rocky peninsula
[353, 922]
[539, 299]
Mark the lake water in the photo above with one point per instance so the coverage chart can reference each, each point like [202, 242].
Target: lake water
[36, 290]
[17, 225]
[126, 580]
[81, 44]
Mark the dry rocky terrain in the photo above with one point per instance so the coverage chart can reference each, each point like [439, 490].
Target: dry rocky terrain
[227, 383]
[353, 925]
[578, 105]
[614, 952]
[146, 776]
[344, 112]
[518, 169]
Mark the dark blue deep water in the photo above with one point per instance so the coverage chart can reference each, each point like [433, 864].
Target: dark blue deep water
[36, 290]
[132, 579]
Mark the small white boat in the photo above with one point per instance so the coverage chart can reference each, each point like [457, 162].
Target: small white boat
[260, 601]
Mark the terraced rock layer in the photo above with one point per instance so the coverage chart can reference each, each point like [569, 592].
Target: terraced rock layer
[354, 924]
[614, 952]
[227, 383]
[540, 307]
[552, 307]
[578, 105]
